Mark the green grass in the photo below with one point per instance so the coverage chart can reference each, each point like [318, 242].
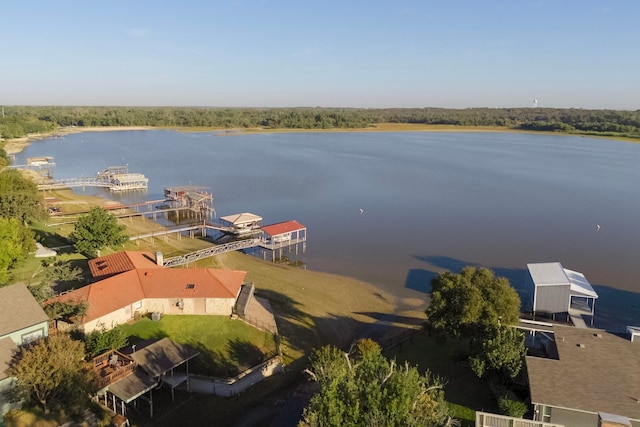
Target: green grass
[465, 392]
[227, 347]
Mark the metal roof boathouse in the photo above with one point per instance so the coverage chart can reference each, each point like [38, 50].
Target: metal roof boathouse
[558, 290]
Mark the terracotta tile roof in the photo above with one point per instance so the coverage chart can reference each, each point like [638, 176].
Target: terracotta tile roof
[120, 262]
[191, 283]
[18, 309]
[282, 227]
[115, 292]
[596, 372]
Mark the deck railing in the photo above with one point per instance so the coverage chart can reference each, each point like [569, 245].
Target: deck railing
[484, 419]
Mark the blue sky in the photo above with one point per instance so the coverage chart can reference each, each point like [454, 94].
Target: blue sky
[349, 53]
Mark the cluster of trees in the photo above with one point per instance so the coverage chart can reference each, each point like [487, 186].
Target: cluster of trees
[20, 203]
[477, 306]
[21, 120]
[367, 389]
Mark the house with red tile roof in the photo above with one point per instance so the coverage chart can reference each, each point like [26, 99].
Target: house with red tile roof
[133, 283]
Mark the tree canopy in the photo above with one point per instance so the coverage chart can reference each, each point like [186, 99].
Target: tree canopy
[97, 230]
[477, 305]
[501, 353]
[19, 197]
[49, 277]
[473, 300]
[21, 120]
[16, 241]
[52, 372]
[366, 389]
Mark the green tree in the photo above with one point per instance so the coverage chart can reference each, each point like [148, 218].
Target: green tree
[52, 276]
[97, 230]
[69, 312]
[502, 352]
[16, 241]
[19, 197]
[98, 342]
[478, 306]
[466, 304]
[52, 372]
[369, 390]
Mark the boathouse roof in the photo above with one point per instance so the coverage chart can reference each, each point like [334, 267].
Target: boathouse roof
[241, 218]
[553, 274]
[282, 227]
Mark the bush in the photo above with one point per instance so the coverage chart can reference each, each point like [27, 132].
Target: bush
[509, 403]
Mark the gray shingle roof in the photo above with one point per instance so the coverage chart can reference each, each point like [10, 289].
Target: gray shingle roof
[18, 309]
[596, 372]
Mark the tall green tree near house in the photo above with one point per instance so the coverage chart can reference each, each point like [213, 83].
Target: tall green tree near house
[501, 353]
[52, 372]
[16, 241]
[97, 230]
[466, 304]
[478, 306]
[19, 197]
[45, 280]
[367, 389]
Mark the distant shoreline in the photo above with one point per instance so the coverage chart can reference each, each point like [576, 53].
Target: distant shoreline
[16, 145]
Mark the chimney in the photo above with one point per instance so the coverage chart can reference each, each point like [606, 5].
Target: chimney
[159, 259]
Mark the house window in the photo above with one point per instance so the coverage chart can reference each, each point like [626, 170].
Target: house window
[546, 414]
[32, 336]
[137, 305]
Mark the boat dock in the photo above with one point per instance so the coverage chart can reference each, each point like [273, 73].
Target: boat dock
[115, 178]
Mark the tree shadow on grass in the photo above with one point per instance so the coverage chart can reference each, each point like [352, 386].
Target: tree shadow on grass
[50, 239]
[213, 363]
[244, 353]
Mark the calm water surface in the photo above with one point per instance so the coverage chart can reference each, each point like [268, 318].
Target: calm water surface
[431, 201]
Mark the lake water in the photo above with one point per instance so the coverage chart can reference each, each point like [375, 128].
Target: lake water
[431, 201]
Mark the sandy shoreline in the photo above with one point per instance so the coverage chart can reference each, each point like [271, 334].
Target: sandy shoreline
[16, 145]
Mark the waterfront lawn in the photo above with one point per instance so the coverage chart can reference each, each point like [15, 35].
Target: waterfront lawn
[227, 347]
[447, 359]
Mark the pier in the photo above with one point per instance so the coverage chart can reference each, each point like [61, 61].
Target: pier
[115, 178]
[288, 237]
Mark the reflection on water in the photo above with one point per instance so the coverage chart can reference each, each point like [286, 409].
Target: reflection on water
[430, 201]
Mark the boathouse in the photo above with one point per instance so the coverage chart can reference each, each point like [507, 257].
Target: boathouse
[243, 223]
[560, 291]
[282, 240]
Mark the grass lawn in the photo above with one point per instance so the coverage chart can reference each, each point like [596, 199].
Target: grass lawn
[227, 347]
[463, 389]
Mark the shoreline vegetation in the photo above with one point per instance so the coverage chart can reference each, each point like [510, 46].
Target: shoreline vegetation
[23, 123]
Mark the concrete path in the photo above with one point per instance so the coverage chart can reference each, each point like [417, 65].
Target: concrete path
[260, 314]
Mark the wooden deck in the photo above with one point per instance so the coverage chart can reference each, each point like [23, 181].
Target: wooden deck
[112, 366]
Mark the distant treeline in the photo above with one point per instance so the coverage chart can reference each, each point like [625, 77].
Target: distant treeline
[18, 121]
